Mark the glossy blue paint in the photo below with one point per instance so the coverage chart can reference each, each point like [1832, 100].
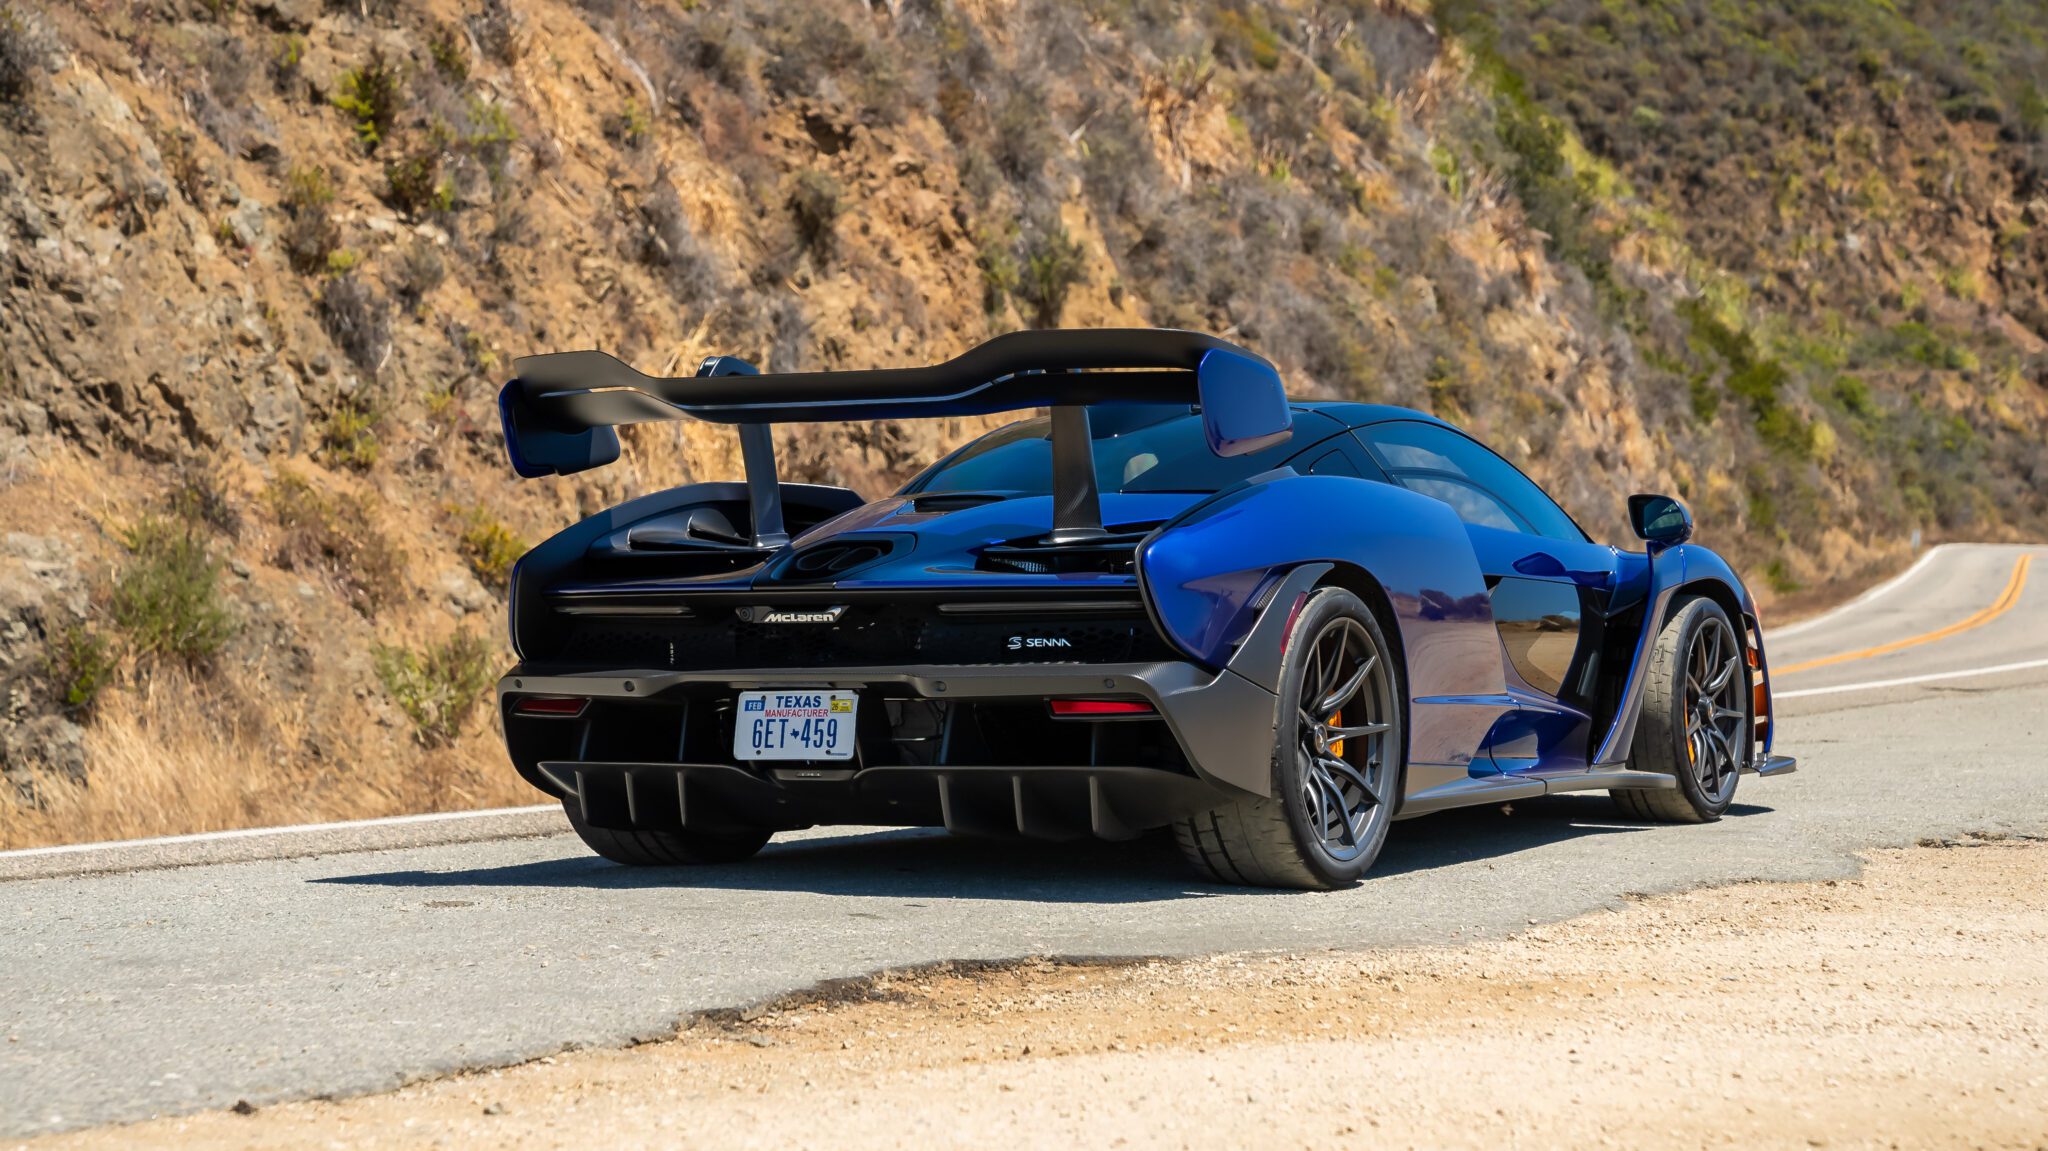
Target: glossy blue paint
[1205, 565]
[1211, 557]
[1663, 577]
[1244, 408]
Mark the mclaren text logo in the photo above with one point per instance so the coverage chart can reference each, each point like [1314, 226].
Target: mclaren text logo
[793, 614]
[1026, 642]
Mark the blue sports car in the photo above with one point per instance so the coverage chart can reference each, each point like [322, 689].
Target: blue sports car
[1176, 600]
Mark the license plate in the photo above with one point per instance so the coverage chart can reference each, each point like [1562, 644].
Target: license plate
[794, 725]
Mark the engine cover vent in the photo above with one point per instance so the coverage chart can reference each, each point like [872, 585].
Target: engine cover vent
[831, 560]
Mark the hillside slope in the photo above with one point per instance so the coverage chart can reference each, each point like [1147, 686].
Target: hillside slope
[266, 262]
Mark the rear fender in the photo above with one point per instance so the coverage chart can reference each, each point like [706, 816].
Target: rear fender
[1210, 574]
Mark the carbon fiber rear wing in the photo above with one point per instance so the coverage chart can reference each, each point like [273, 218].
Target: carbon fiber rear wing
[561, 410]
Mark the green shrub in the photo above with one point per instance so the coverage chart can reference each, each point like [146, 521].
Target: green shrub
[310, 234]
[332, 537]
[349, 437]
[814, 201]
[439, 687]
[451, 57]
[998, 274]
[629, 128]
[489, 547]
[413, 184]
[1855, 397]
[80, 664]
[287, 62]
[372, 96]
[1053, 264]
[1247, 39]
[167, 596]
[1923, 345]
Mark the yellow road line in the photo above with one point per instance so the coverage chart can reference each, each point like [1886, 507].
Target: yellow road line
[2004, 603]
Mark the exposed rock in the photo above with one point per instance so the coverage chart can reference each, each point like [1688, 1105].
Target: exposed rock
[288, 15]
[41, 595]
[462, 595]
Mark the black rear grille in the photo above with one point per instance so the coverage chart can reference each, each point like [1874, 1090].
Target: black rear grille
[864, 635]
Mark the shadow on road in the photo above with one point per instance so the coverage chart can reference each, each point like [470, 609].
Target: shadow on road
[924, 863]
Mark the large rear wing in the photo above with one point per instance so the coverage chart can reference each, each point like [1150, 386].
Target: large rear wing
[561, 411]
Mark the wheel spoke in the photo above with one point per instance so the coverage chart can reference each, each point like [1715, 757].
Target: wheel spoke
[1325, 665]
[1332, 764]
[1336, 700]
[1721, 678]
[1333, 797]
[1721, 754]
[1314, 794]
[1363, 729]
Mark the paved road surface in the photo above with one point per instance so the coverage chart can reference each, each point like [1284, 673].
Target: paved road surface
[168, 989]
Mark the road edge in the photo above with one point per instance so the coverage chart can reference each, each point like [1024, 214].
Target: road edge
[432, 829]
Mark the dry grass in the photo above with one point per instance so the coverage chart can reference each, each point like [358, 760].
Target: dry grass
[170, 756]
[287, 725]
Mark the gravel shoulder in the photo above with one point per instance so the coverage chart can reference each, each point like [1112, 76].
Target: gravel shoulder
[1906, 1007]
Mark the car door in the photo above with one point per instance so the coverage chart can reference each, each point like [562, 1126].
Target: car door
[1547, 582]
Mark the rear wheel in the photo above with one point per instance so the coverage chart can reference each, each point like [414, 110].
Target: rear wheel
[1336, 762]
[665, 848]
[1695, 719]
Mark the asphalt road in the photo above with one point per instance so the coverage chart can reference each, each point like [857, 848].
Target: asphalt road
[159, 989]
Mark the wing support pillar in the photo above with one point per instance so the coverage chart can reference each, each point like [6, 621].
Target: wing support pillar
[1076, 498]
[757, 452]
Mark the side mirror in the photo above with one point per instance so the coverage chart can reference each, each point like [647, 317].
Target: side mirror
[1660, 520]
[1244, 408]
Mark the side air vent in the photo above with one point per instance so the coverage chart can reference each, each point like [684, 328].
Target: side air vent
[941, 502]
[833, 559]
[1114, 553]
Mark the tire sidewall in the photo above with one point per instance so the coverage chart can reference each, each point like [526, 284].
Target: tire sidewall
[1693, 616]
[1324, 606]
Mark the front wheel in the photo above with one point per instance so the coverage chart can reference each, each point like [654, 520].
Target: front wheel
[1695, 722]
[664, 848]
[1338, 751]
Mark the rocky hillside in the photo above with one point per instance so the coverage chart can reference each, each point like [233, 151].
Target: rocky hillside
[266, 262]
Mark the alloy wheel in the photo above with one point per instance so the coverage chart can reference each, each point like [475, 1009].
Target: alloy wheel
[1343, 711]
[1714, 713]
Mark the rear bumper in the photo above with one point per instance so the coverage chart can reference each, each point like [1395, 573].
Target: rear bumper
[1221, 722]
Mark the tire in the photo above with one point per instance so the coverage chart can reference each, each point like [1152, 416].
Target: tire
[665, 848]
[1328, 817]
[1695, 729]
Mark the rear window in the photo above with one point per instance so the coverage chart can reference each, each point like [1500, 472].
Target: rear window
[1138, 448]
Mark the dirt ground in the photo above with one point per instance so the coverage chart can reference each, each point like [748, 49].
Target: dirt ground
[1908, 1008]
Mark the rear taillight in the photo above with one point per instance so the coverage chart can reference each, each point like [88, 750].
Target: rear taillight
[1293, 612]
[551, 706]
[1099, 708]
